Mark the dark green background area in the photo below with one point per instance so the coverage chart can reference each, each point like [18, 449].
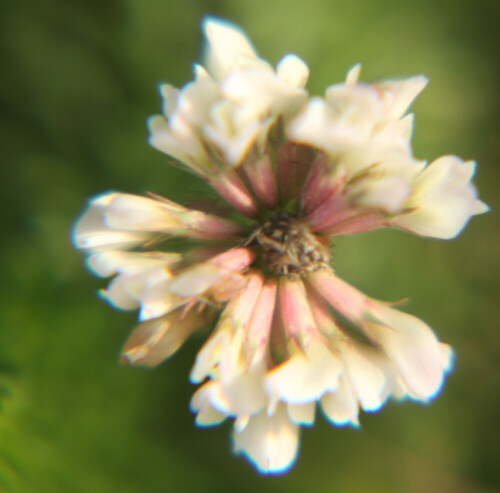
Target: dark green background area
[78, 80]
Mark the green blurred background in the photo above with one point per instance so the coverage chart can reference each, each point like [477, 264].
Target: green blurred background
[78, 81]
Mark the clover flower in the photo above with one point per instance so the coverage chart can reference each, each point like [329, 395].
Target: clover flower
[288, 334]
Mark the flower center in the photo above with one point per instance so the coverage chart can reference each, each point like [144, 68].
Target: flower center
[288, 247]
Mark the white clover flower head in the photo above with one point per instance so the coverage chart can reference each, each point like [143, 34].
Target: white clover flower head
[295, 173]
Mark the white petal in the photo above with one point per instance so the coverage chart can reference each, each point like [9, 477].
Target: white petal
[366, 372]
[341, 406]
[155, 340]
[414, 349]
[443, 199]
[207, 415]
[92, 232]
[269, 442]
[259, 93]
[170, 96]
[228, 47]
[196, 101]
[448, 356]
[293, 70]
[155, 296]
[208, 356]
[389, 193]
[302, 414]
[196, 280]
[399, 94]
[136, 213]
[353, 75]
[108, 263]
[118, 295]
[240, 423]
[304, 378]
[244, 393]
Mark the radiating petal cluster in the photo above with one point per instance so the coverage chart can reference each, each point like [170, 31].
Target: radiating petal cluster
[288, 335]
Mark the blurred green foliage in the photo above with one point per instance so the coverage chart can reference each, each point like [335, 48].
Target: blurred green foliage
[78, 81]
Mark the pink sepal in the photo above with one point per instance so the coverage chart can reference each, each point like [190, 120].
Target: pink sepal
[362, 223]
[286, 171]
[333, 210]
[230, 186]
[259, 329]
[261, 176]
[320, 184]
[297, 317]
[235, 260]
[347, 300]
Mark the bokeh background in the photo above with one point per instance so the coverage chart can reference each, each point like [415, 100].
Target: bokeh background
[78, 80]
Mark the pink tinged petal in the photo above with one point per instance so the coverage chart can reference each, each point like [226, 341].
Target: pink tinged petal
[347, 300]
[155, 340]
[231, 188]
[414, 349]
[341, 406]
[92, 232]
[303, 377]
[228, 48]
[302, 414]
[362, 223]
[259, 328]
[260, 174]
[270, 442]
[296, 314]
[293, 70]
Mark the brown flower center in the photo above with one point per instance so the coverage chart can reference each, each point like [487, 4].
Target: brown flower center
[288, 247]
